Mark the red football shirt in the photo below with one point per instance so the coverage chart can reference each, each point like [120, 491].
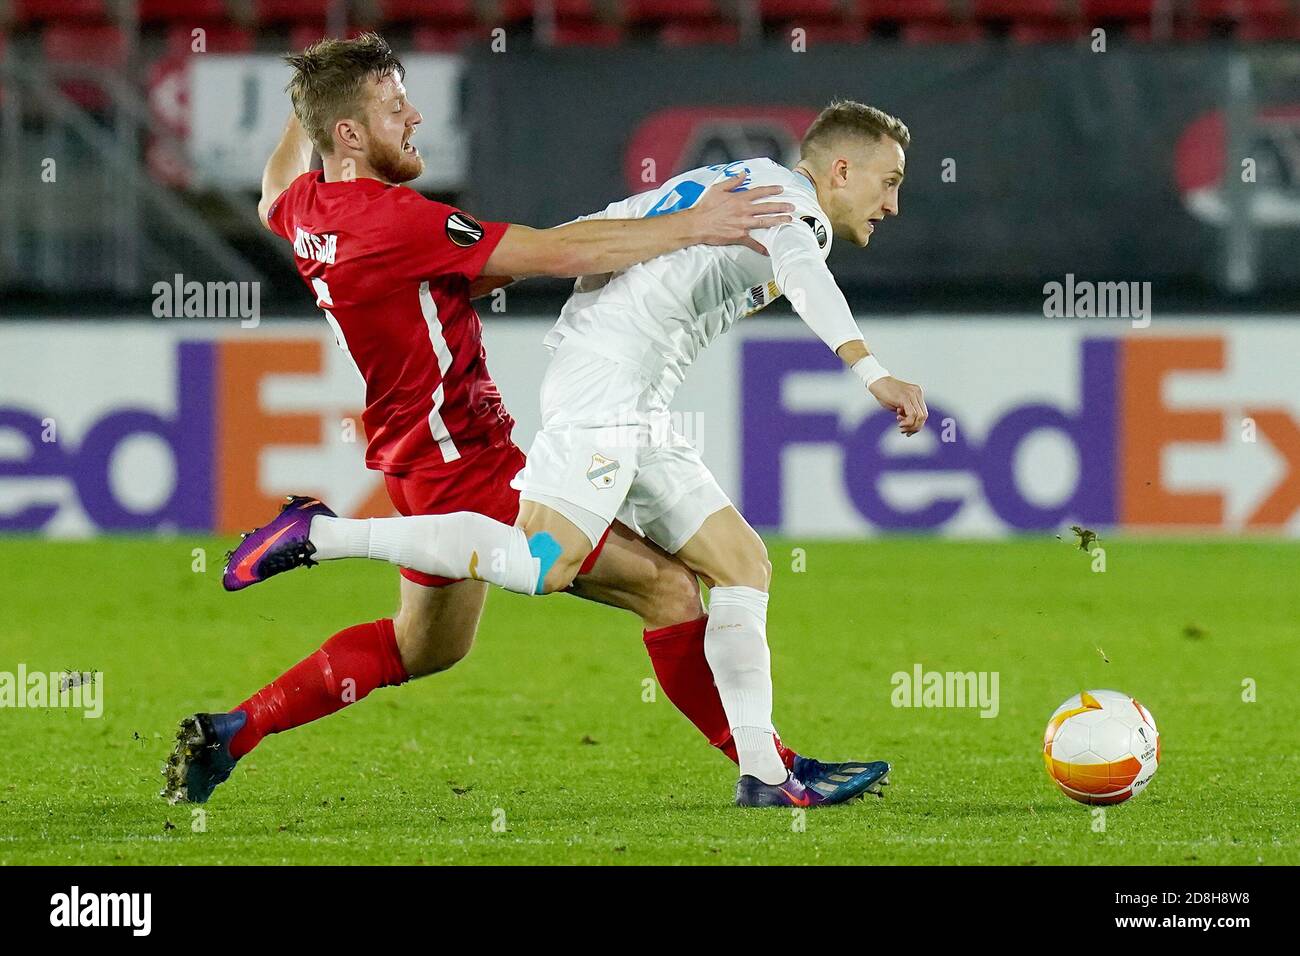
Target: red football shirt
[391, 270]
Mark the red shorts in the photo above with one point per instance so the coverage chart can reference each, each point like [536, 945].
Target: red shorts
[479, 483]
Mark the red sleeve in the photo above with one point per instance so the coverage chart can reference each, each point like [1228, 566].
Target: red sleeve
[277, 217]
[443, 240]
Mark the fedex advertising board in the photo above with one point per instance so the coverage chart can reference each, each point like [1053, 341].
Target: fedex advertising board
[1186, 427]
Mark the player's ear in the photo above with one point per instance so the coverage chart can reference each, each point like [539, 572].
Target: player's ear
[840, 171]
[347, 134]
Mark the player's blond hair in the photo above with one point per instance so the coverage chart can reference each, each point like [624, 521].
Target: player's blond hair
[850, 118]
[329, 79]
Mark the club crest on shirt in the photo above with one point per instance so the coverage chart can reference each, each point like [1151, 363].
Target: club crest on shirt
[602, 471]
[818, 229]
[463, 230]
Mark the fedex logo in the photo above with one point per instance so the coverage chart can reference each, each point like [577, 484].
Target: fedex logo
[217, 431]
[1122, 430]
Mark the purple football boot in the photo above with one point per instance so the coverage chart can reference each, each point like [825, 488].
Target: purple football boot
[281, 545]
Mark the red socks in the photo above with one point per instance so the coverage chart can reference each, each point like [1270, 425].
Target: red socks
[361, 658]
[347, 667]
[677, 654]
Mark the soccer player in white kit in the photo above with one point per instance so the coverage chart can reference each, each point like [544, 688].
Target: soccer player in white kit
[606, 450]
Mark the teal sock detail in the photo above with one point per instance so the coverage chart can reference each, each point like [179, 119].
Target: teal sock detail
[547, 551]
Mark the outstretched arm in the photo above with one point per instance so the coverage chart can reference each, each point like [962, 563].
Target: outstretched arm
[486, 285]
[724, 216]
[289, 160]
[802, 276]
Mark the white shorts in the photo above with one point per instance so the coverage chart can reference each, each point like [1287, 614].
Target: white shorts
[607, 450]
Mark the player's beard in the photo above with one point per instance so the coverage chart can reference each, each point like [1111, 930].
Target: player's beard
[394, 164]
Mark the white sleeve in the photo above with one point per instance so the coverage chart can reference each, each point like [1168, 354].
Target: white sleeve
[802, 276]
[606, 213]
[633, 207]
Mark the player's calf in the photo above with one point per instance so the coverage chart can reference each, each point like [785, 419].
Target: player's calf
[638, 576]
[435, 626]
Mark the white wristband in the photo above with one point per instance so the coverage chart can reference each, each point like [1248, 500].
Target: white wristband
[870, 370]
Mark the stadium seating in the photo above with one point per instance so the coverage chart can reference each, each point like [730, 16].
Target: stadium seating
[801, 10]
[1196, 32]
[672, 12]
[1020, 11]
[1269, 31]
[1094, 10]
[218, 37]
[923, 31]
[181, 11]
[1031, 32]
[290, 11]
[1243, 10]
[584, 33]
[830, 31]
[699, 34]
[242, 25]
[448, 39]
[99, 45]
[577, 22]
[904, 11]
[444, 13]
[29, 12]
[303, 35]
[513, 11]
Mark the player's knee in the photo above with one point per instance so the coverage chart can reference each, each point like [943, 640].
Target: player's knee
[675, 597]
[562, 572]
[747, 567]
[561, 551]
[671, 596]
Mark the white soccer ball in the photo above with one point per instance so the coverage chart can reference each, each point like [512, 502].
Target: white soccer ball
[1101, 746]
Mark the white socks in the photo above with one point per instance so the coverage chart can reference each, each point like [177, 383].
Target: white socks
[735, 644]
[460, 545]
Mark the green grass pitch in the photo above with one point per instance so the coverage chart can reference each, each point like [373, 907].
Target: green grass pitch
[543, 730]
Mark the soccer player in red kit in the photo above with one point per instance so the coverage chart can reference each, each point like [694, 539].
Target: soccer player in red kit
[394, 273]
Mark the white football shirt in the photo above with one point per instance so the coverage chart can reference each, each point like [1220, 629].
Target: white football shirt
[659, 314]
